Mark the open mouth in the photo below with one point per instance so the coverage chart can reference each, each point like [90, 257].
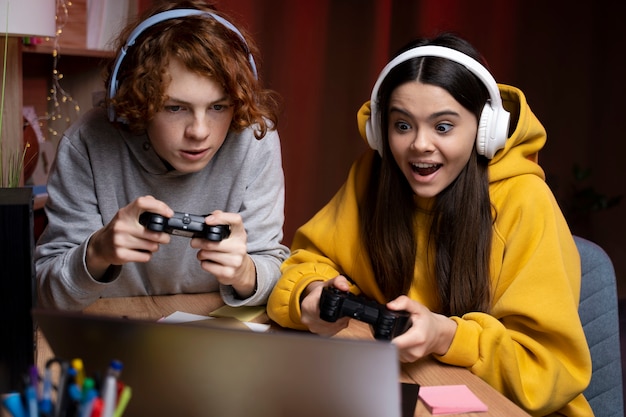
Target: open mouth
[425, 169]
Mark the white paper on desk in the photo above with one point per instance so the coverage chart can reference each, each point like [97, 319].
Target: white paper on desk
[182, 317]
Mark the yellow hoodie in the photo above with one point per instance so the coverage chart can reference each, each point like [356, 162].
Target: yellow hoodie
[531, 347]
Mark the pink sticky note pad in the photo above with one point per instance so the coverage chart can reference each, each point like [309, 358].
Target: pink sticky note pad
[451, 399]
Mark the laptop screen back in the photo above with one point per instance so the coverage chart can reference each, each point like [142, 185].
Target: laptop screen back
[198, 370]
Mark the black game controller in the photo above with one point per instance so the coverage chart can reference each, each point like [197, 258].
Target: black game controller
[386, 323]
[183, 224]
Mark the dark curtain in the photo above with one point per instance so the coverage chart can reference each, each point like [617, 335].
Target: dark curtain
[323, 57]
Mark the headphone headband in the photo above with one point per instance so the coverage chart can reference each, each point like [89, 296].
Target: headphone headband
[494, 123]
[158, 18]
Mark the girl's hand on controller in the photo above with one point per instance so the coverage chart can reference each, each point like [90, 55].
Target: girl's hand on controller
[429, 332]
[310, 307]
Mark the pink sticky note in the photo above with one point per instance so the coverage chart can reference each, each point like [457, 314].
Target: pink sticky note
[451, 399]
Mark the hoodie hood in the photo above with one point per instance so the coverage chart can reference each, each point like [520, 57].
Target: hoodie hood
[527, 137]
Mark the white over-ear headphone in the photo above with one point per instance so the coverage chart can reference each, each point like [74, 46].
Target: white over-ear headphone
[493, 125]
[153, 20]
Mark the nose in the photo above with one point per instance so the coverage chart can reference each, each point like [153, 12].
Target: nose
[198, 127]
[423, 141]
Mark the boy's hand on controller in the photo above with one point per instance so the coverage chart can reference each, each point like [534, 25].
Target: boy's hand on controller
[124, 240]
[228, 260]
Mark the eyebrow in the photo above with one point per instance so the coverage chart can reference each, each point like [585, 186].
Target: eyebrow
[180, 101]
[436, 115]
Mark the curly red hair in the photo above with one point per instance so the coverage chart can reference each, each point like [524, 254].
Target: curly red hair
[205, 47]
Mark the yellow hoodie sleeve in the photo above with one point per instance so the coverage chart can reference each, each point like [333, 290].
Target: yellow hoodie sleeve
[326, 246]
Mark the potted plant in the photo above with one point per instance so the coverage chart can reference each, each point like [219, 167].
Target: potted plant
[11, 160]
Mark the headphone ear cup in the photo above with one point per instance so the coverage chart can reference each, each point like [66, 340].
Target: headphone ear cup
[484, 124]
[372, 135]
[111, 109]
[493, 130]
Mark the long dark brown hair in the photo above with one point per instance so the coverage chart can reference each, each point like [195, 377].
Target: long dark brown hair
[461, 229]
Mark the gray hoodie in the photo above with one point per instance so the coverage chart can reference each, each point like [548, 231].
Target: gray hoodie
[100, 169]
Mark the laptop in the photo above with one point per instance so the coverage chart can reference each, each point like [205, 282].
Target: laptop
[190, 369]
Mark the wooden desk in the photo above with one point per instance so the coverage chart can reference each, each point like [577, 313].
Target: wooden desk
[145, 308]
[429, 372]
[425, 372]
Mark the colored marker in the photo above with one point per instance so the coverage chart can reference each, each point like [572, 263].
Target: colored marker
[31, 393]
[72, 395]
[13, 402]
[89, 394]
[88, 385]
[31, 401]
[123, 401]
[80, 371]
[109, 391]
[96, 407]
[45, 404]
[34, 380]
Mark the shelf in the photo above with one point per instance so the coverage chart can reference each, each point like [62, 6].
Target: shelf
[68, 51]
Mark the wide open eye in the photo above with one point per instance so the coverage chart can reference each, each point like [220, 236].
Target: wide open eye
[402, 126]
[443, 127]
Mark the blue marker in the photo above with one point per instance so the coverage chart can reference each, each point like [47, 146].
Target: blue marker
[60, 408]
[32, 393]
[31, 401]
[72, 394]
[13, 403]
[45, 404]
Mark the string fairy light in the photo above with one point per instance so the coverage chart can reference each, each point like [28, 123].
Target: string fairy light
[58, 97]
